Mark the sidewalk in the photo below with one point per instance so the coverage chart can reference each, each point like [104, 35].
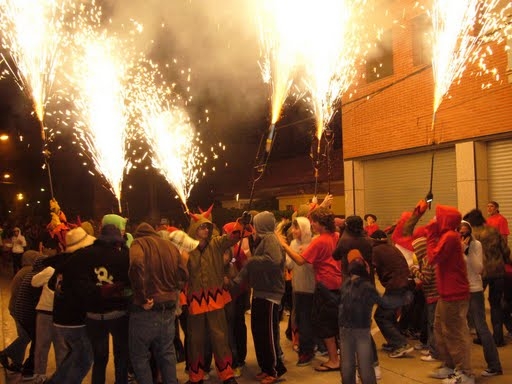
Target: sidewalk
[394, 371]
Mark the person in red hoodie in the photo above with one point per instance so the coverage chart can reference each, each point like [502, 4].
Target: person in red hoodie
[444, 250]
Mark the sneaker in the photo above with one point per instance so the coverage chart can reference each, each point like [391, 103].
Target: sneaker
[237, 372]
[261, 375]
[269, 380]
[388, 347]
[206, 376]
[425, 352]
[305, 359]
[40, 379]
[401, 352]
[378, 373]
[491, 372]
[459, 378]
[420, 346]
[441, 373]
[231, 380]
[429, 358]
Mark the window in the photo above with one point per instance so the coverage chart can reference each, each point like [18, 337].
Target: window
[421, 40]
[380, 59]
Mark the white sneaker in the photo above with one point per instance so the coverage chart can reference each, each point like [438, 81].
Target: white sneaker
[459, 378]
[428, 358]
[441, 373]
[425, 352]
[378, 373]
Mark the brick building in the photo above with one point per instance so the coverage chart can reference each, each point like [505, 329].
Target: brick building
[389, 140]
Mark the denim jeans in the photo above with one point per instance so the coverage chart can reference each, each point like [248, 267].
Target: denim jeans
[16, 350]
[356, 349]
[496, 290]
[149, 332]
[77, 361]
[303, 303]
[386, 320]
[477, 313]
[45, 335]
[98, 332]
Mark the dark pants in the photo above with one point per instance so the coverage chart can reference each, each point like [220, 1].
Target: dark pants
[477, 313]
[98, 332]
[16, 262]
[239, 329]
[265, 333]
[303, 303]
[386, 320]
[496, 289]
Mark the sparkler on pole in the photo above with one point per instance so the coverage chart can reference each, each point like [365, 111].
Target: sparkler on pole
[100, 75]
[459, 28]
[32, 34]
[280, 24]
[330, 51]
[173, 142]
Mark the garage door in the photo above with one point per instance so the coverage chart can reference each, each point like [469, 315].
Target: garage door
[394, 185]
[499, 170]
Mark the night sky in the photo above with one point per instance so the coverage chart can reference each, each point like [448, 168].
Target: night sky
[219, 42]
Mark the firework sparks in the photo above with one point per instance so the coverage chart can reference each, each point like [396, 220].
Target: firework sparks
[459, 27]
[99, 79]
[173, 142]
[33, 33]
[330, 52]
[281, 23]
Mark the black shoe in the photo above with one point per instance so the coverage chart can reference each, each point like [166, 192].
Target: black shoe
[4, 360]
[232, 380]
[477, 340]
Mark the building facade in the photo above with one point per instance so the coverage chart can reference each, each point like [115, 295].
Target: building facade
[395, 150]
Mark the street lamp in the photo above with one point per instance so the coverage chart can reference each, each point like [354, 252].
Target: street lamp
[20, 196]
[4, 137]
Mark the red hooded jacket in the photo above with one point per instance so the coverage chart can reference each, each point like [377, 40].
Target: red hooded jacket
[444, 250]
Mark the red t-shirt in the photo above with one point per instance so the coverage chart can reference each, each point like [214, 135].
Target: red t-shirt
[499, 222]
[319, 254]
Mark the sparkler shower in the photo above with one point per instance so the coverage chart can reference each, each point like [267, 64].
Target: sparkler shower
[173, 142]
[458, 30]
[100, 77]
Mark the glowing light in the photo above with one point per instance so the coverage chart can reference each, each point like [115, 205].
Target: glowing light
[330, 54]
[173, 142]
[33, 35]
[280, 22]
[459, 30]
[4, 137]
[101, 72]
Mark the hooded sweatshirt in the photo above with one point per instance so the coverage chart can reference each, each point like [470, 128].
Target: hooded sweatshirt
[303, 277]
[444, 250]
[265, 269]
[205, 290]
[155, 271]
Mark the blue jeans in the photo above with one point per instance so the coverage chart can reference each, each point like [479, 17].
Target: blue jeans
[496, 290]
[78, 360]
[303, 303]
[152, 331]
[98, 332]
[386, 320]
[477, 313]
[356, 349]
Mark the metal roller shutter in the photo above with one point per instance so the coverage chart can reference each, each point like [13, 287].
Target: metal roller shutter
[394, 185]
[499, 170]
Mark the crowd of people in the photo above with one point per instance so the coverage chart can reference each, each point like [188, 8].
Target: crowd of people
[84, 287]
